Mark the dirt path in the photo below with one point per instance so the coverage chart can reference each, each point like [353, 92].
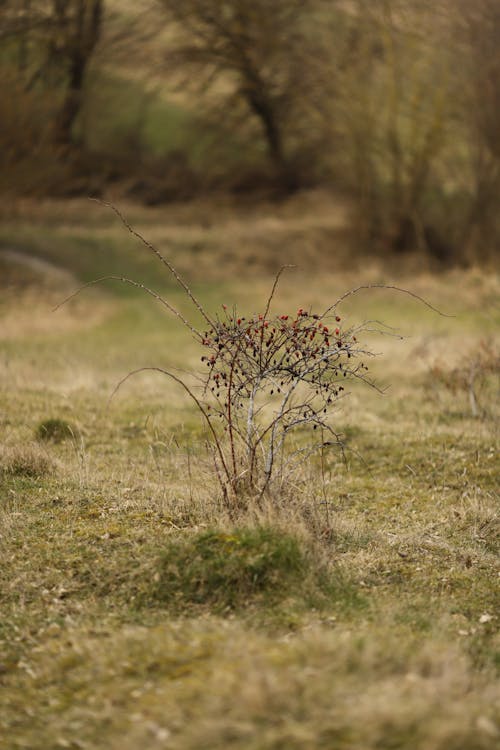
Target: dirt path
[40, 267]
[30, 289]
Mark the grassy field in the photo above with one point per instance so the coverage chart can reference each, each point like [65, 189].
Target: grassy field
[358, 610]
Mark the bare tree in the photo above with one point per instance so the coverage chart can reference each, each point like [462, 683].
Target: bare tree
[55, 42]
[77, 26]
[258, 49]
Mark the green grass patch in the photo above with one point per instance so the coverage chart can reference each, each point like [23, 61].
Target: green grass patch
[56, 430]
[120, 114]
[89, 257]
[232, 570]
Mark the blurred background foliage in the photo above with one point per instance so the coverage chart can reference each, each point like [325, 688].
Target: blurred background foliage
[393, 104]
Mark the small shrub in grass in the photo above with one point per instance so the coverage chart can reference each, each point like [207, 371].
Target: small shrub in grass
[228, 570]
[268, 385]
[56, 430]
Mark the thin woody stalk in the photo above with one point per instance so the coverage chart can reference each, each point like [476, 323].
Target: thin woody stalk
[160, 257]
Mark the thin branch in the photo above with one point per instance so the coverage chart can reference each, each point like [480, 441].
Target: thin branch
[300, 455]
[384, 286]
[276, 280]
[138, 285]
[194, 398]
[162, 258]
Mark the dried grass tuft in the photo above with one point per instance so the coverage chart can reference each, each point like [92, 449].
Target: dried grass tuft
[28, 460]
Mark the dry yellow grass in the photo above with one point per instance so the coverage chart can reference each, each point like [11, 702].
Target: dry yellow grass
[402, 649]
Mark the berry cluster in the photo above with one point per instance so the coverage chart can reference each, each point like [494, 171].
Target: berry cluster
[273, 356]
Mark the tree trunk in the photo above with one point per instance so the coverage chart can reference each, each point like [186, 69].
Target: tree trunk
[78, 49]
[263, 109]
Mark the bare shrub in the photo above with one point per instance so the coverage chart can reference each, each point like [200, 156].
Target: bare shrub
[470, 378]
[269, 385]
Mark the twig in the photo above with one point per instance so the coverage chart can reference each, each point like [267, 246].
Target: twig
[138, 285]
[191, 394]
[276, 280]
[384, 286]
[161, 257]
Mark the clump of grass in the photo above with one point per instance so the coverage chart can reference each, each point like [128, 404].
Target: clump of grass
[25, 461]
[230, 570]
[55, 430]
